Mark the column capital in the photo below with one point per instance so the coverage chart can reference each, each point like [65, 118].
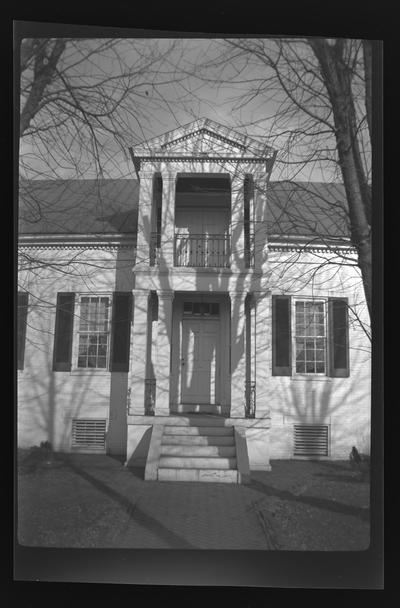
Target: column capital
[259, 174]
[146, 174]
[168, 175]
[165, 295]
[238, 295]
[141, 294]
[237, 178]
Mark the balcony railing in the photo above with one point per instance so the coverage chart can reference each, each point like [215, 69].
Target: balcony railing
[200, 250]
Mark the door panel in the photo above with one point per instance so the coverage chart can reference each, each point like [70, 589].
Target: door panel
[200, 361]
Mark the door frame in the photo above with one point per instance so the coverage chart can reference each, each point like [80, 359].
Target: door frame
[224, 342]
[217, 388]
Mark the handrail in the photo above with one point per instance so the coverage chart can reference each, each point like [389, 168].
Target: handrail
[202, 250]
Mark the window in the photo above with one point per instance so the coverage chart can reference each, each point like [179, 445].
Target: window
[93, 332]
[310, 337]
[88, 336]
[201, 309]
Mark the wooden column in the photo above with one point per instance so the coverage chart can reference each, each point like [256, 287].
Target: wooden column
[138, 351]
[237, 222]
[238, 353]
[168, 220]
[163, 358]
[144, 218]
[262, 351]
[260, 220]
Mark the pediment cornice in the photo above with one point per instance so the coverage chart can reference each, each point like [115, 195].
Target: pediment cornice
[201, 139]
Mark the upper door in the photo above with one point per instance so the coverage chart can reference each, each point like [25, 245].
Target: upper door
[202, 237]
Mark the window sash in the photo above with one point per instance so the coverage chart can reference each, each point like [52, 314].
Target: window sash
[92, 345]
[310, 337]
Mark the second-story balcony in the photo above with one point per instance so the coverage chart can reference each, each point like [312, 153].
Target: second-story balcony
[201, 250]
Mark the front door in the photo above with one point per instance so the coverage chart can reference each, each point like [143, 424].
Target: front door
[199, 363]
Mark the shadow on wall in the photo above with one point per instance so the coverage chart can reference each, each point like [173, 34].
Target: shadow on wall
[336, 402]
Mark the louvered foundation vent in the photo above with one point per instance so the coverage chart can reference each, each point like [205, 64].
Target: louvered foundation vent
[89, 434]
[311, 440]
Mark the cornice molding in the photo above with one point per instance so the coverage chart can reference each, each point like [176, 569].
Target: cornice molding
[67, 241]
[204, 130]
[299, 247]
[205, 158]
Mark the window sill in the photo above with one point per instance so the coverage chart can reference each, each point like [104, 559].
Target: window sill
[89, 372]
[311, 378]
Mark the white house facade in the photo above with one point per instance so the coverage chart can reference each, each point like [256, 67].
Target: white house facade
[196, 319]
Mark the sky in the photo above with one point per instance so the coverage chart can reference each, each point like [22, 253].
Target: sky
[166, 92]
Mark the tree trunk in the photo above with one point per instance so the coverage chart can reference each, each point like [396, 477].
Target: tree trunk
[45, 65]
[337, 79]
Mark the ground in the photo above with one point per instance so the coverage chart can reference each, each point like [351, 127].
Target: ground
[93, 501]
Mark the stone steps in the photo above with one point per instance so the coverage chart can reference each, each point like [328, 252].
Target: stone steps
[203, 450]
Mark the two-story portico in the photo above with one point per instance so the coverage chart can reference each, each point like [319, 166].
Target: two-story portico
[200, 279]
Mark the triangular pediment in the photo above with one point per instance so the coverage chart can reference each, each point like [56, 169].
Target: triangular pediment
[203, 138]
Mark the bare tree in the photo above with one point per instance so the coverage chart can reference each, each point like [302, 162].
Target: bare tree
[83, 101]
[313, 100]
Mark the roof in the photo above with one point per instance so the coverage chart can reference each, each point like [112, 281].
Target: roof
[77, 207]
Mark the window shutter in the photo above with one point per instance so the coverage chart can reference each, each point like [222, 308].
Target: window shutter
[63, 331]
[281, 336]
[21, 327]
[121, 331]
[338, 338]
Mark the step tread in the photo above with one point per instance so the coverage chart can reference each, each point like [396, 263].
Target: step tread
[198, 451]
[197, 462]
[213, 440]
[199, 475]
[198, 430]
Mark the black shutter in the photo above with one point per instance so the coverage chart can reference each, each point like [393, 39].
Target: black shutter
[281, 336]
[63, 331]
[21, 327]
[121, 331]
[338, 338]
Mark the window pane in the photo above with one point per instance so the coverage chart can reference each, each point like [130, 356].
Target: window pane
[310, 367]
[300, 367]
[320, 367]
[300, 329]
[215, 308]
[91, 362]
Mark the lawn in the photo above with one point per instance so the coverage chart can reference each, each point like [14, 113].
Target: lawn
[94, 501]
